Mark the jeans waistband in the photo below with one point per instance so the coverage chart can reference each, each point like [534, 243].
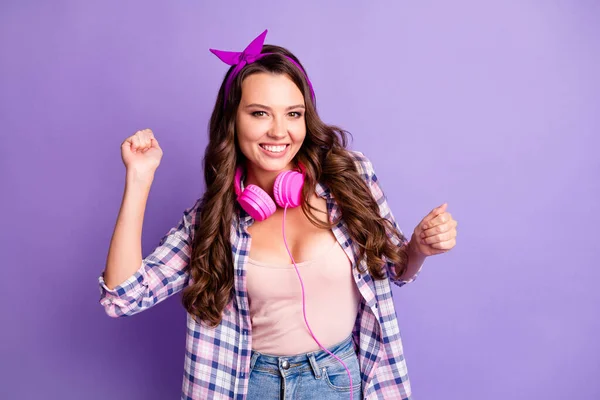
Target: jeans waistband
[314, 360]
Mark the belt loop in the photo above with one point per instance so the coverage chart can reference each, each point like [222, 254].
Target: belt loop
[315, 366]
[255, 355]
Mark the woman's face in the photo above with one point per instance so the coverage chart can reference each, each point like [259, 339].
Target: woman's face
[270, 124]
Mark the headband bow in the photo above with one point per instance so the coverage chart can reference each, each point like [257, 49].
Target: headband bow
[251, 53]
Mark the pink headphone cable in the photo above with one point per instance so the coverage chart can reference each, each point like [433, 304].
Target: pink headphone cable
[304, 303]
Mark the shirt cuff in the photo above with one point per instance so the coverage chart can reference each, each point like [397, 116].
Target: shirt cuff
[131, 287]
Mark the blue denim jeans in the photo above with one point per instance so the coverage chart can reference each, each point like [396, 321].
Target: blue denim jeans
[313, 375]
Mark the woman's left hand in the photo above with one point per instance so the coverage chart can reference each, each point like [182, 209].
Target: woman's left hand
[436, 233]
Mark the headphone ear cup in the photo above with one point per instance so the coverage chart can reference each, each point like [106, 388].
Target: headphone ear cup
[257, 203]
[287, 189]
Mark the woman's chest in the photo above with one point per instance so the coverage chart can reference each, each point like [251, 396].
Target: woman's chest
[305, 240]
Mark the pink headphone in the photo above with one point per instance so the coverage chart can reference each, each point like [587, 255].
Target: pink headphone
[287, 191]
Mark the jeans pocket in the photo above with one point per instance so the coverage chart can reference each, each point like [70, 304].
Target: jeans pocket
[336, 376]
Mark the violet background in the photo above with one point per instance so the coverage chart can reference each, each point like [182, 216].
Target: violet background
[492, 107]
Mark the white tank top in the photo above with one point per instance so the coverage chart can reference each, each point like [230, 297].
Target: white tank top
[275, 296]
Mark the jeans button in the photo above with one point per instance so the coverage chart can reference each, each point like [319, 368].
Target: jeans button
[285, 364]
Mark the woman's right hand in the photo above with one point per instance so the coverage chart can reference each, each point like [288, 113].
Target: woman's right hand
[141, 153]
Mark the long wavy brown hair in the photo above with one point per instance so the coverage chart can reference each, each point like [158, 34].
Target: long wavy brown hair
[326, 159]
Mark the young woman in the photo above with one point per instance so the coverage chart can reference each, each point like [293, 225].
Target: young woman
[286, 261]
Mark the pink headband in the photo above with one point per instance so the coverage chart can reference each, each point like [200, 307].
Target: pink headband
[250, 54]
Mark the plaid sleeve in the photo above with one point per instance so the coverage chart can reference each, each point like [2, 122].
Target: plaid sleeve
[365, 168]
[162, 273]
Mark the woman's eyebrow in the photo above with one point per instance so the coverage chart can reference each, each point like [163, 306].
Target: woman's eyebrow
[269, 108]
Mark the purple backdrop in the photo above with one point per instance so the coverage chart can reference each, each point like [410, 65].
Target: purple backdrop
[493, 108]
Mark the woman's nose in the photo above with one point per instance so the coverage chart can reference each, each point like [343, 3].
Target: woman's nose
[278, 129]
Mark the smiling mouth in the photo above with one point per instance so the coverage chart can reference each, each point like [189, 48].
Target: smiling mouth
[274, 149]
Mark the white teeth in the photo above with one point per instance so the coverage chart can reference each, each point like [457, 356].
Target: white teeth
[274, 149]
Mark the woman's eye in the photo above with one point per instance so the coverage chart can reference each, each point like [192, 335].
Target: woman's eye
[295, 114]
[259, 113]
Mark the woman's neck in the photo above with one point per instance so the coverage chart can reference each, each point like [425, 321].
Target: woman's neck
[261, 178]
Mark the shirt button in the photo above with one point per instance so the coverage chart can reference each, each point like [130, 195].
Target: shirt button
[285, 364]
